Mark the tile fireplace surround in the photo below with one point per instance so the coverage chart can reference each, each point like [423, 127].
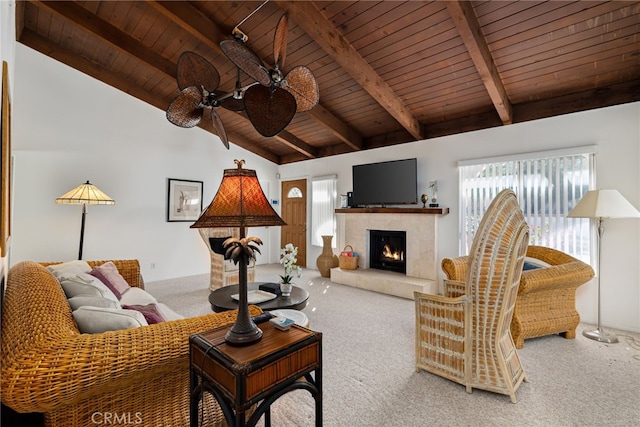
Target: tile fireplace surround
[421, 226]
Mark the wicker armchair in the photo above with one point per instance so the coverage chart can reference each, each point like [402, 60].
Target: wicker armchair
[223, 272]
[546, 302]
[140, 375]
[467, 339]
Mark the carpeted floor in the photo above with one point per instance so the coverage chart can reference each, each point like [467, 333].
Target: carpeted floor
[369, 374]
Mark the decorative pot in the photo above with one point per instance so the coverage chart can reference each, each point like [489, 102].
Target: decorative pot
[327, 260]
[285, 289]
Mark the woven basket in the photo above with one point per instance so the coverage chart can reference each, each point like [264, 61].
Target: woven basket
[347, 262]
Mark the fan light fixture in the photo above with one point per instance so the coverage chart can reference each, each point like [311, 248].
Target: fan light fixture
[240, 202]
[85, 194]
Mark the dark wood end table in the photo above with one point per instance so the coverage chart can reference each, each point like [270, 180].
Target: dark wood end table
[257, 374]
[221, 300]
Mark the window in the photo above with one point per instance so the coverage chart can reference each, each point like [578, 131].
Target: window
[323, 201]
[547, 185]
[295, 193]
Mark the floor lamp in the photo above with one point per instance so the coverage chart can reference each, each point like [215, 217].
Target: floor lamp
[85, 194]
[240, 202]
[600, 205]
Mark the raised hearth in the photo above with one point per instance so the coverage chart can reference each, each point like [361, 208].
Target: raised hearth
[385, 282]
[420, 225]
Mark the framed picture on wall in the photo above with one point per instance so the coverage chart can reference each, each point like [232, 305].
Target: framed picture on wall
[184, 201]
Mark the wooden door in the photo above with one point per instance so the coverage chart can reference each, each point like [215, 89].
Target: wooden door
[294, 213]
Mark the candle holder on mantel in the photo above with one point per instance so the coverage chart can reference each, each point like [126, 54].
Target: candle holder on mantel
[433, 186]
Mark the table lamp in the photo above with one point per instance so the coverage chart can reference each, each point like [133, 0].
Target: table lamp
[240, 202]
[85, 194]
[601, 204]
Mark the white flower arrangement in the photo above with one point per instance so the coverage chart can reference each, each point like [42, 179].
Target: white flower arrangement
[288, 259]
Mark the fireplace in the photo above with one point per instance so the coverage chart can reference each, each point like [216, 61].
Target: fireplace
[387, 250]
[421, 253]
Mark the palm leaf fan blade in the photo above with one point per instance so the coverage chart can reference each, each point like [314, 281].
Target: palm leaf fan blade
[194, 70]
[233, 104]
[185, 110]
[270, 111]
[246, 60]
[217, 124]
[302, 84]
[280, 41]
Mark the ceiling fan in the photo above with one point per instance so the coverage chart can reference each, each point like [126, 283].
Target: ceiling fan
[272, 104]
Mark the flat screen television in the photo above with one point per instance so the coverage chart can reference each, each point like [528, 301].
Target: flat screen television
[386, 183]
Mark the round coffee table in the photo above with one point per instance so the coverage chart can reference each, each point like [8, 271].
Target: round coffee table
[221, 300]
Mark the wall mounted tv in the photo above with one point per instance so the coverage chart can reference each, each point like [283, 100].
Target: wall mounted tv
[386, 183]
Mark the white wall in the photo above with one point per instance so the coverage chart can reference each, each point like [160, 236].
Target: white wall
[614, 130]
[69, 128]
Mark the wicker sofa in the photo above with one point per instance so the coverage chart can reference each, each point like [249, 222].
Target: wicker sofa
[137, 375]
[545, 303]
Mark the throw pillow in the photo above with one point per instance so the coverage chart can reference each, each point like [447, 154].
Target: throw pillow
[95, 320]
[531, 263]
[529, 266]
[109, 275]
[150, 312]
[86, 284]
[69, 269]
[93, 301]
[137, 296]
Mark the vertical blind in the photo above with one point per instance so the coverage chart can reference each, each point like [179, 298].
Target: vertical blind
[547, 189]
[323, 202]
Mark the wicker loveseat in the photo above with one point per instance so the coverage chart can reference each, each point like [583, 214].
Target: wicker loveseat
[132, 376]
[546, 302]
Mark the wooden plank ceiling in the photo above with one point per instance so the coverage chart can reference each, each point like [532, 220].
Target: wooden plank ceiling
[389, 72]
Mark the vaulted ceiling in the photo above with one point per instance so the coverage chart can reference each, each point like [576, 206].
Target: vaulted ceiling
[389, 72]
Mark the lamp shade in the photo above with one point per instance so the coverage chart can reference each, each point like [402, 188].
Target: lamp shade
[604, 204]
[239, 202]
[85, 194]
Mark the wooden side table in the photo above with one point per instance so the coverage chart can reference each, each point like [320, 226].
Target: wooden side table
[240, 377]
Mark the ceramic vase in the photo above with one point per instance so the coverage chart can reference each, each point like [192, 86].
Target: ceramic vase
[285, 289]
[327, 260]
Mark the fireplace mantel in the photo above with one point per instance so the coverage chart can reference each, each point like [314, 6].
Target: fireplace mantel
[432, 211]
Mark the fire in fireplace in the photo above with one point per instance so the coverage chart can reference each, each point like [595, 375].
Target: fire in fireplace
[387, 250]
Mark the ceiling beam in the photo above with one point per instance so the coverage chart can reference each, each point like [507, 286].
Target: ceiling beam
[116, 38]
[35, 41]
[192, 21]
[339, 129]
[313, 22]
[199, 26]
[297, 144]
[468, 26]
[614, 94]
